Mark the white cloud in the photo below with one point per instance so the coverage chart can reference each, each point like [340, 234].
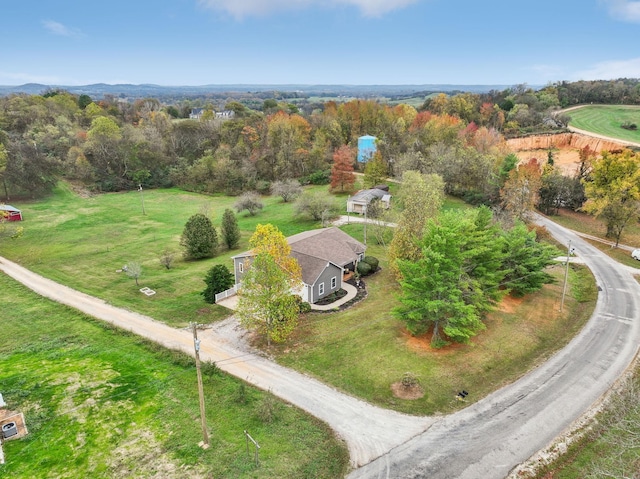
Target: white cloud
[58, 28]
[611, 70]
[245, 8]
[625, 10]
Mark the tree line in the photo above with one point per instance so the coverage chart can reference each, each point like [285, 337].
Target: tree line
[112, 145]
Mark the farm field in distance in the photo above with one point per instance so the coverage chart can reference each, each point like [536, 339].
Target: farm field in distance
[607, 120]
[104, 403]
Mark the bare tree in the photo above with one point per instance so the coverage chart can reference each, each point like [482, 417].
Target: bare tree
[166, 258]
[286, 189]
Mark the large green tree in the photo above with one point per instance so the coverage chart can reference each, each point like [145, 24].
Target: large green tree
[525, 261]
[199, 238]
[435, 289]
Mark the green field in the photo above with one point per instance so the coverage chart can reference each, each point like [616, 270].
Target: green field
[606, 120]
[364, 350]
[103, 403]
[82, 242]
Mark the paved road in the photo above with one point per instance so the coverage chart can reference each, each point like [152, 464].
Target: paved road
[485, 440]
[488, 439]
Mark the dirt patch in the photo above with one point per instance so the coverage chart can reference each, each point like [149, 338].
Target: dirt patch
[422, 344]
[81, 190]
[408, 393]
[568, 160]
[509, 304]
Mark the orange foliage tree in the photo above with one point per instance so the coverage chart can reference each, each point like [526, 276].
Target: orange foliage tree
[342, 177]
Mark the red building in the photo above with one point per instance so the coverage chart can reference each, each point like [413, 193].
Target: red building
[10, 213]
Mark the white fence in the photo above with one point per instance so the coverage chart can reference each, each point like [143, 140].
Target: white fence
[227, 293]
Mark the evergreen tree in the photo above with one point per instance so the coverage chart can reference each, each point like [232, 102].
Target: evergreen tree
[229, 229]
[199, 238]
[525, 261]
[218, 279]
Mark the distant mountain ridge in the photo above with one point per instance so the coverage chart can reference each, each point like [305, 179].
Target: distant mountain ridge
[99, 90]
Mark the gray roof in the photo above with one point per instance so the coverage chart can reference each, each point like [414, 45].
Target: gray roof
[366, 196]
[9, 208]
[311, 266]
[315, 249]
[330, 244]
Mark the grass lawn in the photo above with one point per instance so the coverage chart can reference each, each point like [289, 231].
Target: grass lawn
[81, 242]
[102, 403]
[606, 120]
[364, 350]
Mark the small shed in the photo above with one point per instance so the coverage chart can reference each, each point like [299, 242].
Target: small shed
[359, 202]
[10, 213]
[366, 148]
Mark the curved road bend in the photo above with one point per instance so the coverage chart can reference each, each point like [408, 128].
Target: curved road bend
[368, 431]
[491, 437]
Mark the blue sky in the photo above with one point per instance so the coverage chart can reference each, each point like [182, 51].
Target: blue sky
[199, 42]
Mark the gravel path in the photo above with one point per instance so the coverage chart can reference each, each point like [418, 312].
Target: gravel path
[368, 431]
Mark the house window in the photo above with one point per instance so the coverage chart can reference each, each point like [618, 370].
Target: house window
[321, 289]
[240, 267]
[334, 282]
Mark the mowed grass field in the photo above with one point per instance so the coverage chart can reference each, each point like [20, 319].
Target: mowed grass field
[83, 241]
[364, 350]
[102, 403]
[606, 120]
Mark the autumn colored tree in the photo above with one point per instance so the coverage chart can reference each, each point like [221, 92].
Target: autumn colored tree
[421, 196]
[613, 194]
[269, 239]
[266, 302]
[288, 144]
[342, 177]
[520, 193]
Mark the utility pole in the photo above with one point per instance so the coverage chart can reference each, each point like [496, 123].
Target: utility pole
[566, 274]
[196, 345]
[365, 225]
[141, 197]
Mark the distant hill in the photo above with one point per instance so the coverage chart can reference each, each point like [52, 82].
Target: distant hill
[99, 90]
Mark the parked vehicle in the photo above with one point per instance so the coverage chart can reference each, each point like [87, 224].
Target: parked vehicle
[635, 254]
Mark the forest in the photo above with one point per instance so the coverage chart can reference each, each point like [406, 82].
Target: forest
[114, 145]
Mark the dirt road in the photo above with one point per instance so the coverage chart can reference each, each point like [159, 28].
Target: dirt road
[368, 431]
